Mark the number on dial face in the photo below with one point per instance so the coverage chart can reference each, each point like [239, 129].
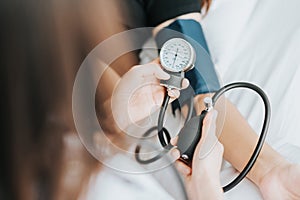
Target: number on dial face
[176, 55]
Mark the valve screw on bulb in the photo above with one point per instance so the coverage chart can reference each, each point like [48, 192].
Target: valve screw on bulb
[208, 103]
[184, 156]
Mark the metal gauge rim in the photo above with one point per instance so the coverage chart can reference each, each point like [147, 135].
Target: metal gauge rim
[191, 61]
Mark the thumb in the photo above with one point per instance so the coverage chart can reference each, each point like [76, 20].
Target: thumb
[151, 69]
[209, 139]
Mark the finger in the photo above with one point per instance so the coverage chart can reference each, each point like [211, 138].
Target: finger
[183, 168]
[158, 94]
[175, 153]
[173, 93]
[174, 141]
[209, 123]
[161, 74]
[206, 124]
[209, 138]
[185, 83]
[156, 61]
[150, 69]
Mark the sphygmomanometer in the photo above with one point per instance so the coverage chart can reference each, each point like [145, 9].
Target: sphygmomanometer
[178, 57]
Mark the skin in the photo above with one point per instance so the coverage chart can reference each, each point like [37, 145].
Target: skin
[140, 86]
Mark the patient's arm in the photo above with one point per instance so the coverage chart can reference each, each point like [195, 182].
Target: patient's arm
[276, 177]
[239, 141]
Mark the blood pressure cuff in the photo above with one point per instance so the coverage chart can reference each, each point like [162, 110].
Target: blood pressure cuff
[203, 77]
[158, 11]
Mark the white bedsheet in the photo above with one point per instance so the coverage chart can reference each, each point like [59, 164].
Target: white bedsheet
[259, 41]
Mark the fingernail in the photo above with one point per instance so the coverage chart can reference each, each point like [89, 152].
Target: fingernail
[185, 83]
[165, 75]
[174, 93]
[211, 116]
[214, 114]
[175, 153]
[208, 118]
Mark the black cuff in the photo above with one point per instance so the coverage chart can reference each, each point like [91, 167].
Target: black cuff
[159, 11]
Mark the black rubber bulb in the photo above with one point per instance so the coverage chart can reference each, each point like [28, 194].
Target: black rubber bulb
[189, 136]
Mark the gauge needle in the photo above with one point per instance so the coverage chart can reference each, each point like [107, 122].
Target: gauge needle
[175, 57]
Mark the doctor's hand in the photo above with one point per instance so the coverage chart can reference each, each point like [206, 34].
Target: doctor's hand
[202, 181]
[139, 93]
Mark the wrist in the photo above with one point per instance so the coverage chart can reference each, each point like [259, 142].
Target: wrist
[210, 174]
[264, 166]
[208, 188]
[118, 120]
[274, 168]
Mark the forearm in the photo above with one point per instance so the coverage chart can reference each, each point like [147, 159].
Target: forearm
[239, 141]
[206, 188]
[104, 92]
[206, 178]
[194, 15]
[106, 84]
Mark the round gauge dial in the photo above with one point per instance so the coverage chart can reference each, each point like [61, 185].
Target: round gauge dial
[177, 55]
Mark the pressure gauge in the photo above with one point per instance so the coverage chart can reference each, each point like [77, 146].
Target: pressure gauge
[177, 55]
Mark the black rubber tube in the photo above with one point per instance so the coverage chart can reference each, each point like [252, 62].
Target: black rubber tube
[264, 130]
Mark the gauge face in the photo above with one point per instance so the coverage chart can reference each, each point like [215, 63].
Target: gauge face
[177, 55]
